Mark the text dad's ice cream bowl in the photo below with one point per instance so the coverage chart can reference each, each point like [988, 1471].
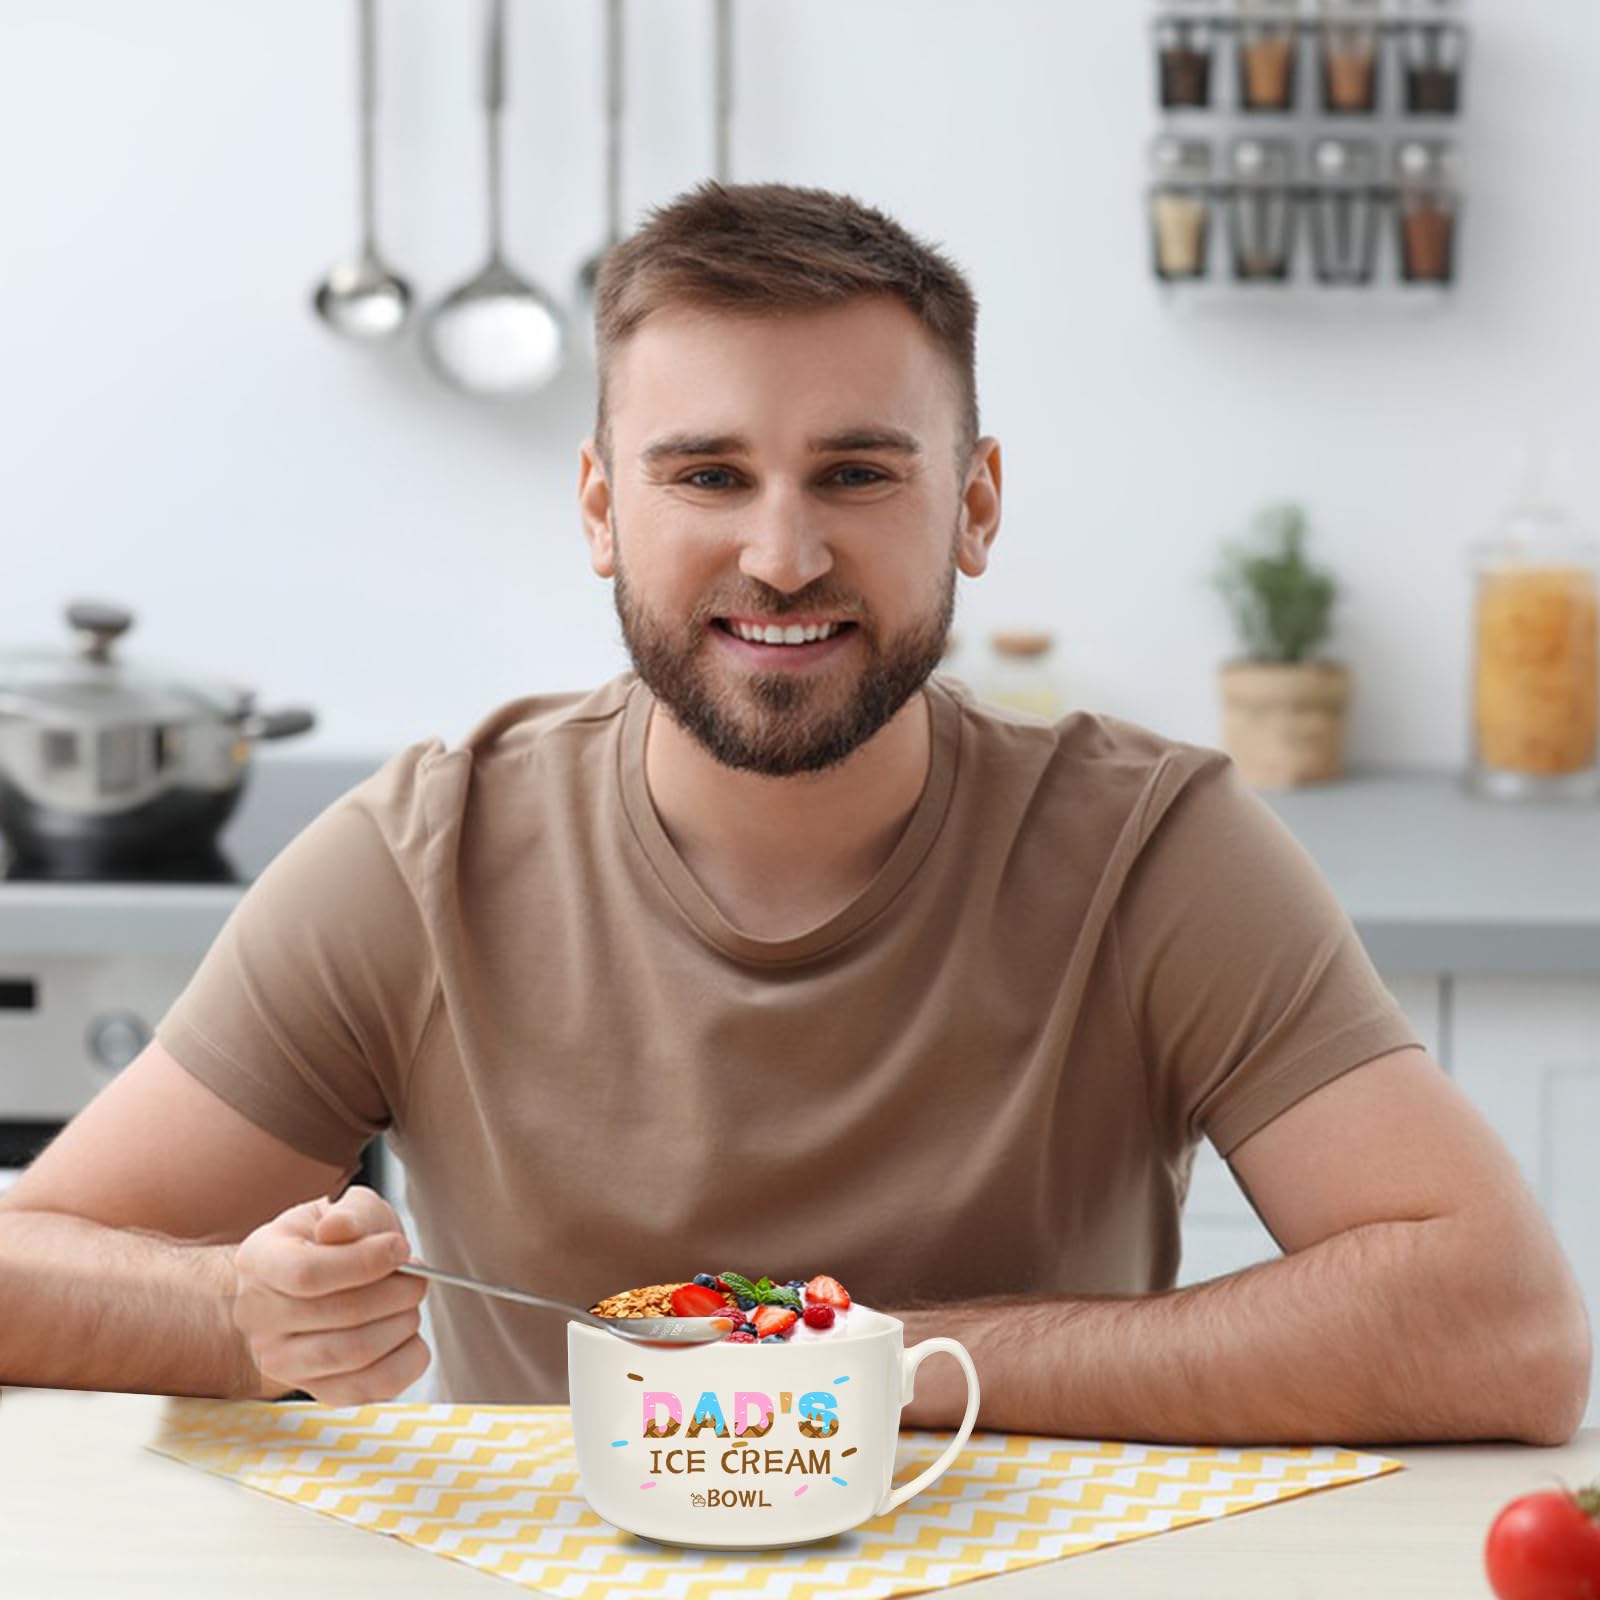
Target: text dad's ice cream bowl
[748, 1446]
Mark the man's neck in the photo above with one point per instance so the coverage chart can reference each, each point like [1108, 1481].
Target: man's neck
[780, 855]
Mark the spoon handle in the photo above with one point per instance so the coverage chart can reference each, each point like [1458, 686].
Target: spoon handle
[420, 1269]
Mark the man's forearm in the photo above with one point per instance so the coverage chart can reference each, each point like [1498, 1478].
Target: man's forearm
[83, 1306]
[1382, 1334]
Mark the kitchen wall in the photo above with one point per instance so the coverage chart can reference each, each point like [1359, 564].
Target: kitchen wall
[177, 433]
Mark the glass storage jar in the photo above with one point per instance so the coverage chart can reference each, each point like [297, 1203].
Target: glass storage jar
[1021, 675]
[1536, 660]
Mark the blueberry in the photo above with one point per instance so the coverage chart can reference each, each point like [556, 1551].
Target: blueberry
[772, 1338]
[746, 1303]
[747, 1327]
[795, 1283]
[705, 1280]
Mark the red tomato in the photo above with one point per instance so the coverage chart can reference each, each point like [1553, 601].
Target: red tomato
[1546, 1547]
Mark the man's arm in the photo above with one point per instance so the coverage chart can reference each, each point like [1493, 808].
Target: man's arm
[117, 1244]
[1423, 1296]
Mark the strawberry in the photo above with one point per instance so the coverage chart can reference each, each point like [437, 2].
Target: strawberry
[695, 1300]
[829, 1292]
[774, 1319]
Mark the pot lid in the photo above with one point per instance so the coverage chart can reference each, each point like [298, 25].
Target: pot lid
[92, 685]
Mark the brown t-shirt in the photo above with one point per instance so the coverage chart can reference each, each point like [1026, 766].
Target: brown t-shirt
[1091, 947]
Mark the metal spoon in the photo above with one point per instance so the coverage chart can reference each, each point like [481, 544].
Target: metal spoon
[365, 298]
[589, 272]
[497, 334]
[638, 1330]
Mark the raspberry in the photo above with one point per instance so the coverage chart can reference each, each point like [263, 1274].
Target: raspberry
[819, 1314]
[740, 1338]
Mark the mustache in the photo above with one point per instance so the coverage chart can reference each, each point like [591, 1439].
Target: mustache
[763, 600]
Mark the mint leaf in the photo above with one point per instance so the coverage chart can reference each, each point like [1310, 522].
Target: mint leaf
[765, 1293]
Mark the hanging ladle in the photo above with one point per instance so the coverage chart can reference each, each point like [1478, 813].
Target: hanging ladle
[365, 298]
[589, 272]
[497, 334]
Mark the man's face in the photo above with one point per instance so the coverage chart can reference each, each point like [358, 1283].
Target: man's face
[784, 520]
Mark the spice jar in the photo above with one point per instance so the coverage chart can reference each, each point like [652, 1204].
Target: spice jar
[1536, 667]
[1348, 38]
[1266, 54]
[1433, 49]
[1021, 675]
[1261, 209]
[1184, 48]
[1427, 208]
[1180, 207]
[1343, 210]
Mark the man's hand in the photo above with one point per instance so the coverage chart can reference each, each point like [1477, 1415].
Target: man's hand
[321, 1305]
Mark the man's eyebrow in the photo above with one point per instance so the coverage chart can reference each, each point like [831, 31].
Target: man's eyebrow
[672, 445]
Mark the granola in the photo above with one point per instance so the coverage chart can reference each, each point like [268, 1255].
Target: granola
[654, 1300]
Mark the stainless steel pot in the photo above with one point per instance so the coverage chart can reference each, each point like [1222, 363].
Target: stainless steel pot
[107, 766]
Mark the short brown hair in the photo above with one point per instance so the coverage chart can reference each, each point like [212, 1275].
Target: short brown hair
[757, 247]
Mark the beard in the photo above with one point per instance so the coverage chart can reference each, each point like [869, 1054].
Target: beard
[779, 724]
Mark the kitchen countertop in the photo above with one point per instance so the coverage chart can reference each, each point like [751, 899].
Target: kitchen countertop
[74, 1465]
[1434, 879]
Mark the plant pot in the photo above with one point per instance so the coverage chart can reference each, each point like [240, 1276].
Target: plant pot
[1283, 722]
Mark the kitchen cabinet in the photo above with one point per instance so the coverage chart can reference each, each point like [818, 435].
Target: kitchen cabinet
[1527, 1053]
[1221, 1231]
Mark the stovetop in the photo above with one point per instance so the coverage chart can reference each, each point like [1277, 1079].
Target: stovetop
[282, 795]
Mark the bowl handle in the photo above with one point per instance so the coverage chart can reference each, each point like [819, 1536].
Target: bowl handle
[910, 1360]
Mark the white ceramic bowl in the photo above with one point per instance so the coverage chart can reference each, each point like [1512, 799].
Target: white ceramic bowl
[658, 1432]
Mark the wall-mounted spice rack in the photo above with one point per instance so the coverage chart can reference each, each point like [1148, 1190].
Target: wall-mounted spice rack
[1305, 144]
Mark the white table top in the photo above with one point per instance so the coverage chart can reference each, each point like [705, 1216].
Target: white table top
[86, 1510]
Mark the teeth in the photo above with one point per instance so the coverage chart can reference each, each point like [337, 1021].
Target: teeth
[793, 634]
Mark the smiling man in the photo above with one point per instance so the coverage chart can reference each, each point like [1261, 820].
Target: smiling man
[781, 953]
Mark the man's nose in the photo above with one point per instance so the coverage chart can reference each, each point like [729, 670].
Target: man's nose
[782, 545]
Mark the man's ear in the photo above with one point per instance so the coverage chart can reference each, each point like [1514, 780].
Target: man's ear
[980, 508]
[594, 506]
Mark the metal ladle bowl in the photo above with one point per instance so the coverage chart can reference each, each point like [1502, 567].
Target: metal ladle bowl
[496, 334]
[363, 299]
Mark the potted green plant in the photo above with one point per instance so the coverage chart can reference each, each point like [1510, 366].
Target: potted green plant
[1283, 708]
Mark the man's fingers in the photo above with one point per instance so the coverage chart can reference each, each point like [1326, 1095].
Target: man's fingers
[350, 1308]
[305, 1269]
[383, 1380]
[357, 1211]
[341, 1353]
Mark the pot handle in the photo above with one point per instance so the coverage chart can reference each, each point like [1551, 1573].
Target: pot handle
[278, 724]
[910, 1360]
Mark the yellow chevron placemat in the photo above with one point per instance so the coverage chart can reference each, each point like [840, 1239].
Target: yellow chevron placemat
[496, 1487]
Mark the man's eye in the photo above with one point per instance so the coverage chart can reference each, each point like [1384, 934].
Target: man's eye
[868, 475]
[692, 479]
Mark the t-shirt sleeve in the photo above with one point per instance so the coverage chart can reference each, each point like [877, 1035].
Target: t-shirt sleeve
[306, 1011]
[1247, 982]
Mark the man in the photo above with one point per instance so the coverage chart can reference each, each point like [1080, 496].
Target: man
[781, 954]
